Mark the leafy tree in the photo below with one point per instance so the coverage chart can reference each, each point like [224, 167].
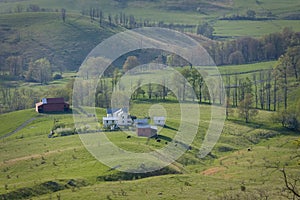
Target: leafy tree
[14, 64]
[236, 58]
[282, 68]
[290, 118]
[39, 71]
[116, 77]
[294, 60]
[245, 108]
[205, 29]
[176, 61]
[251, 14]
[130, 63]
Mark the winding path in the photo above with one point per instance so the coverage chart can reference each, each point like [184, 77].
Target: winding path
[19, 128]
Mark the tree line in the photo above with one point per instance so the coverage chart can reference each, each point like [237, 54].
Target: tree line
[249, 49]
[248, 91]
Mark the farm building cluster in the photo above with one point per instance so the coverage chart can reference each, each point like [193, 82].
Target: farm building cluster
[115, 117]
[120, 117]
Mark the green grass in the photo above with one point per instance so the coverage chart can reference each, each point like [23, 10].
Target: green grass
[30, 158]
[35, 159]
[241, 28]
[227, 69]
[11, 121]
[37, 35]
[166, 11]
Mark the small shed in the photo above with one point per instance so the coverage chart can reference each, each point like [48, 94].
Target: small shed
[52, 105]
[146, 131]
[159, 121]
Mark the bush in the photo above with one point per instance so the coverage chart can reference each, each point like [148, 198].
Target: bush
[289, 119]
[57, 77]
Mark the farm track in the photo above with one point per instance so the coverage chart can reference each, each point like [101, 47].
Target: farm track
[19, 128]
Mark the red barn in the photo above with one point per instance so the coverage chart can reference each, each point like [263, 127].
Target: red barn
[52, 105]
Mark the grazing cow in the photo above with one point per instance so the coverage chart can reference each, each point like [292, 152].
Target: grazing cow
[129, 136]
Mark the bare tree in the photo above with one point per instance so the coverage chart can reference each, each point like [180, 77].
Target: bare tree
[291, 184]
[63, 14]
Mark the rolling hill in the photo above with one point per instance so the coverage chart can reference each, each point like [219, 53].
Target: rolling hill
[244, 163]
[38, 35]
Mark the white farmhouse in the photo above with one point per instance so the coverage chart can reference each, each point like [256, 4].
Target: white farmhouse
[117, 117]
[159, 121]
[110, 122]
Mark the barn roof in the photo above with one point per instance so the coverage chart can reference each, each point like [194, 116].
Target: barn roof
[55, 100]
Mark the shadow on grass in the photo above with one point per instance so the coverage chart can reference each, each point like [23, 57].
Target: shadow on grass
[267, 126]
[171, 128]
[118, 176]
[163, 137]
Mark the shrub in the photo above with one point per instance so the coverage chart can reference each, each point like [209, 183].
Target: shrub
[57, 77]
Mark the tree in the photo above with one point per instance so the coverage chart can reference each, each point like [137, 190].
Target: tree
[205, 29]
[110, 19]
[14, 64]
[245, 108]
[39, 71]
[19, 8]
[116, 77]
[150, 90]
[100, 17]
[236, 58]
[291, 185]
[63, 14]
[282, 67]
[251, 14]
[130, 63]
[186, 74]
[290, 118]
[138, 89]
[294, 60]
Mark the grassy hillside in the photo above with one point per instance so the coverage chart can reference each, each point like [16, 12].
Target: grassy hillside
[184, 12]
[44, 167]
[37, 35]
[199, 7]
[244, 164]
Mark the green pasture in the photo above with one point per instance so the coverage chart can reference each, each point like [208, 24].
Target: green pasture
[11, 121]
[241, 28]
[29, 158]
[230, 69]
